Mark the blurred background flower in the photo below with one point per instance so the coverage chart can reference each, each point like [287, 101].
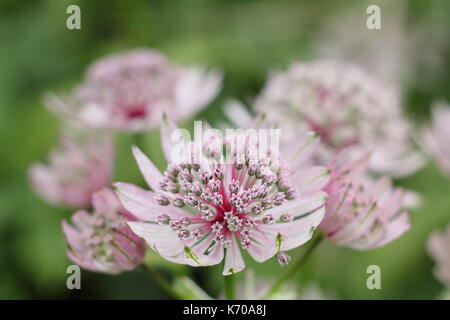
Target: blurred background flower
[245, 40]
[348, 107]
[130, 91]
[362, 213]
[78, 168]
[439, 249]
[436, 138]
[101, 241]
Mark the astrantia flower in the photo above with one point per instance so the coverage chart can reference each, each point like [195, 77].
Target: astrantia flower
[199, 213]
[128, 91]
[79, 167]
[102, 241]
[437, 136]
[439, 249]
[347, 107]
[361, 213]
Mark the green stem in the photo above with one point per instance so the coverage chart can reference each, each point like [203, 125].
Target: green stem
[138, 139]
[155, 275]
[230, 292]
[294, 268]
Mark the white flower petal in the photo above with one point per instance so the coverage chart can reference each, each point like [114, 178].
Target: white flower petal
[151, 174]
[141, 203]
[299, 206]
[310, 180]
[233, 259]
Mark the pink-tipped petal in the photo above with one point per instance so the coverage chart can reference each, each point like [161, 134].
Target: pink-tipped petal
[149, 171]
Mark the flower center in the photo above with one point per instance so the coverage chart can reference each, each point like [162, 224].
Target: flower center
[99, 239]
[136, 111]
[222, 200]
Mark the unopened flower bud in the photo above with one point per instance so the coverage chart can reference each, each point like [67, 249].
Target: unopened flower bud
[162, 200]
[163, 219]
[283, 258]
[178, 202]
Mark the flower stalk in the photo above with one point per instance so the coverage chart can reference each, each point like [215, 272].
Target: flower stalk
[230, 291]
[158, 277]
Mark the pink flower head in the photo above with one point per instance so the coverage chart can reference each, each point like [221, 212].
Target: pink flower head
[128, 91]
[101, 241]
[439, 249]
[79, 167]
[361, 213]
[437, 136]
[347, 107]
[199, 213]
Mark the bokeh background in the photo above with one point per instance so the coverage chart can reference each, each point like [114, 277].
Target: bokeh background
[246, 39]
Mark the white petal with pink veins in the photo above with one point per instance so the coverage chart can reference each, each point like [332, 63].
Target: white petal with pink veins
[298, 231]
[166, 243]
[142, 203]
[282, 236]
[233, 259]
[311, 180]
[151, 174]
[299, 153]
[299, 206]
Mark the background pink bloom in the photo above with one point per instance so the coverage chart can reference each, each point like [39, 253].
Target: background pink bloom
[344, 38]
[129, 91]
[361, 213]
[101, 241]
[202, 213]
[439, 249]
[437, 137]
[347, 107]
[76, 169]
